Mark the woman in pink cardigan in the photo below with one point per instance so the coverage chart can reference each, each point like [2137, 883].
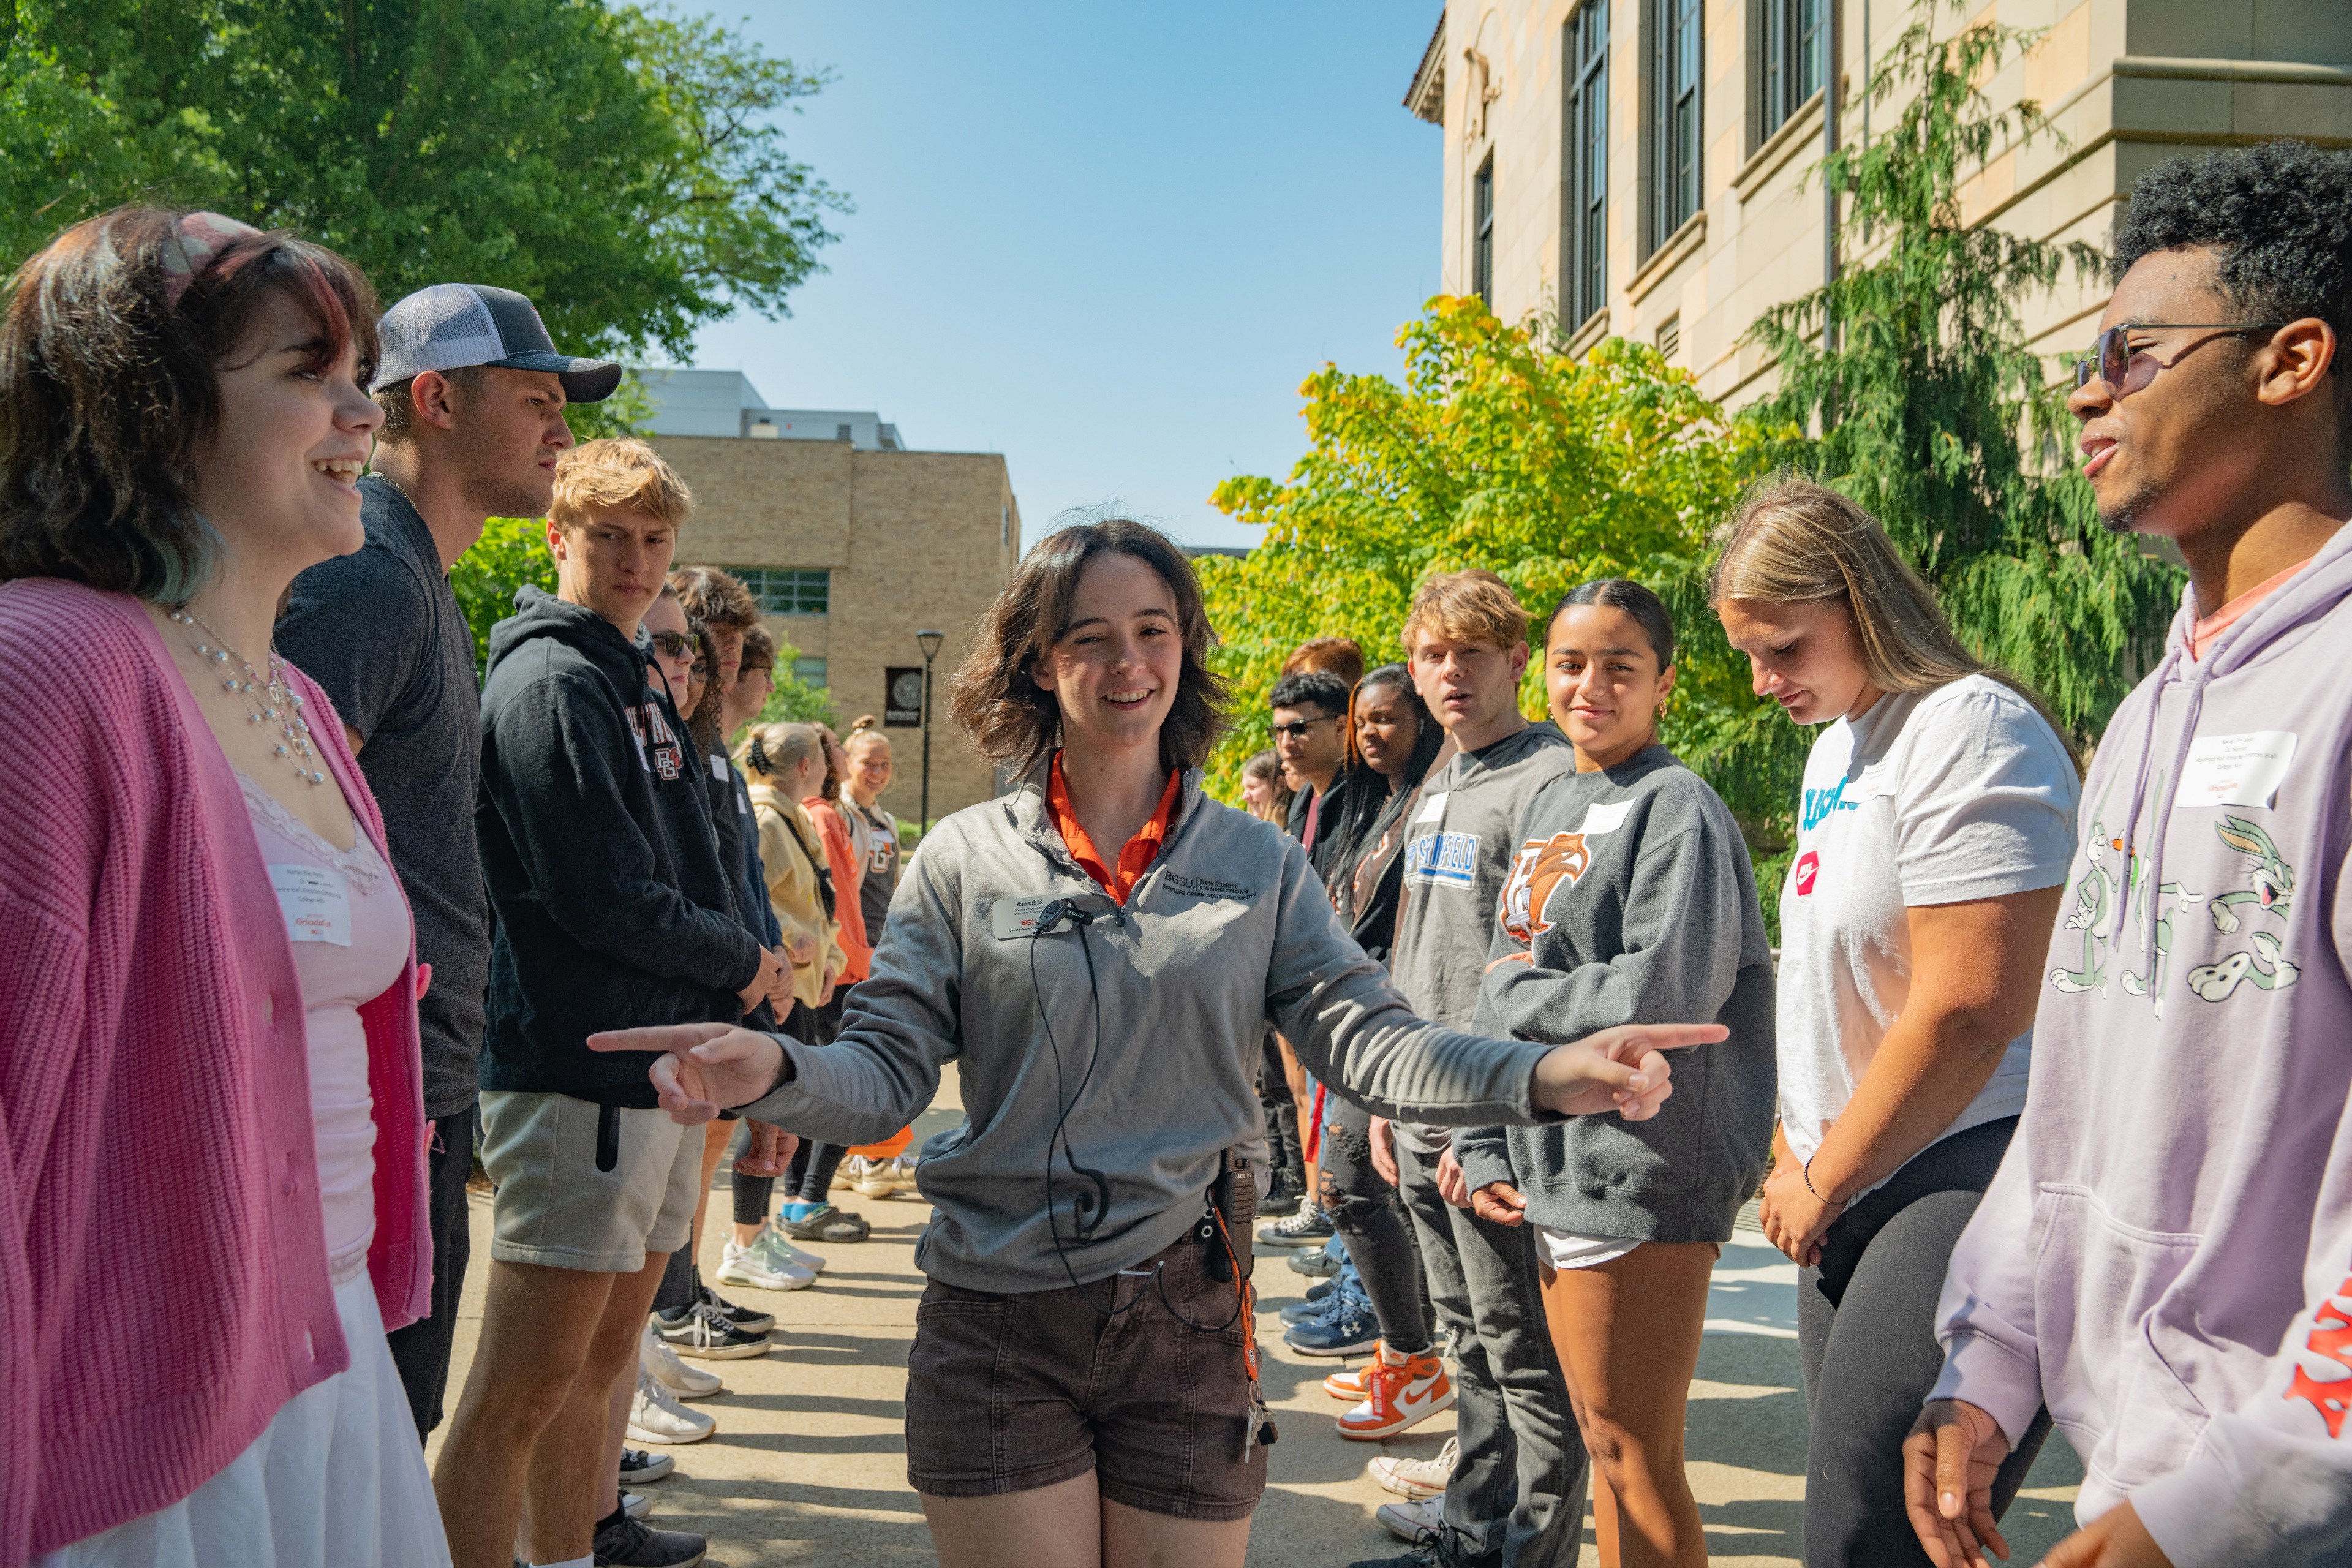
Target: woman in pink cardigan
[207, 970]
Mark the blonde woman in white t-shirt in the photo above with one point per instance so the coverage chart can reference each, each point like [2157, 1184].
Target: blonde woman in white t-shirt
[1933, 834]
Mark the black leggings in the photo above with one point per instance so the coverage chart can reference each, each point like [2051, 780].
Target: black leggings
[809, 1178]
[1364, 1210]
[1866, 1331]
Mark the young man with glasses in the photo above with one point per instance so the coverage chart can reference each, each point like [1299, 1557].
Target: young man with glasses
[1310, 716]
[473, 393]
[2165, 1257]
[612, 904]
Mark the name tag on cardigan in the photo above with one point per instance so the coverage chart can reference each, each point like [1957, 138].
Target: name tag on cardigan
[2235, 770]
[315, 902]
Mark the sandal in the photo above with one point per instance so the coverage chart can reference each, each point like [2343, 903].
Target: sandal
[826, 1224]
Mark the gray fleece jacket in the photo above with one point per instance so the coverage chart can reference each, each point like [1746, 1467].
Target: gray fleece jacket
[1136, 1035]
[1630, 900]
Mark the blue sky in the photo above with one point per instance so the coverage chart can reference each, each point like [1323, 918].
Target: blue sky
[1105, 239]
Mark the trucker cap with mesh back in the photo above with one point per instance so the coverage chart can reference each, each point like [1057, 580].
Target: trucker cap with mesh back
[449, 326]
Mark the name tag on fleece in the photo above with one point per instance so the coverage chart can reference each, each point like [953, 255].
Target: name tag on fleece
[315, 902]
[1011, 919]
[2235, 770]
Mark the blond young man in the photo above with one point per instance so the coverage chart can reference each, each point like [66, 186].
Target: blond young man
[612, 904]
[1517, 1493]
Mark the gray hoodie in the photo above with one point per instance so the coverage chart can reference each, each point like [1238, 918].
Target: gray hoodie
[1457, 850]
[1630, 901]
[2166, 1256]
[1228, 929]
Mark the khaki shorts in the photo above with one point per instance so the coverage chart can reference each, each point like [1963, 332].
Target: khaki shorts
[556, 1207]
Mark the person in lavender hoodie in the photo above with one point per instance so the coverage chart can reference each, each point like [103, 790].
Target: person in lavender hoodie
[2163, 1257]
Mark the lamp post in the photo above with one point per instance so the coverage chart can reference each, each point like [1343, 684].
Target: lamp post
[930, 643]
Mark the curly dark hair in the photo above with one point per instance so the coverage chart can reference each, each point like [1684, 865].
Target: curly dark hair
[2280, 217]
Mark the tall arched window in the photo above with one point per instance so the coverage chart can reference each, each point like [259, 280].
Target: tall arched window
[1673, 73]
[1584, 236]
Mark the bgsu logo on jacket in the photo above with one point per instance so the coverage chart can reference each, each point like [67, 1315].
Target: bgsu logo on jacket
[1540, 866]
[658, 749]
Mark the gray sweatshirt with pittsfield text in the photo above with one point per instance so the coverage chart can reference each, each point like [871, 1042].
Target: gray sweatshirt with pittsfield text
[1630, 900]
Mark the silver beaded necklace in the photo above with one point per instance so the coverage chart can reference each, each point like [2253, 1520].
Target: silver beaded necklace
[268, 701]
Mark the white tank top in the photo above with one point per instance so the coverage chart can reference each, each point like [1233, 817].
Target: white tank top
[350, 932]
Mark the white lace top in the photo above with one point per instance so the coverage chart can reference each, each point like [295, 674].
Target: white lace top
[350, 931]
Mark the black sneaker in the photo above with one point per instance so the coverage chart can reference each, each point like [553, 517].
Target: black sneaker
[1307, 1227]
[743, 1318]
[639, 1465]
[625, 1542]
[1283, 1194]
[702, 1331]
[1433, 1549]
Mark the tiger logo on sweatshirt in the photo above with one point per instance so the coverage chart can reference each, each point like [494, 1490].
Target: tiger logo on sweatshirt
[1537, 872]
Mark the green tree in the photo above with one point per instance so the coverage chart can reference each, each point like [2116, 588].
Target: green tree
[1494, 451]
[621, 166]
[1931, 411]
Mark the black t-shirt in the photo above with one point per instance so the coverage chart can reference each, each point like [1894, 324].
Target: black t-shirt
[379, 630]
[879, 832]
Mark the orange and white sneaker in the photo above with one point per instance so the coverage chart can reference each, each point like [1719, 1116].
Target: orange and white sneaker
[1347, 1383]
[1400, 1391]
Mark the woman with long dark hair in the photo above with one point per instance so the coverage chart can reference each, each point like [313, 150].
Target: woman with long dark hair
[1098, 950]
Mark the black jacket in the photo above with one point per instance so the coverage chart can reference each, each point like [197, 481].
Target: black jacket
[613, 906]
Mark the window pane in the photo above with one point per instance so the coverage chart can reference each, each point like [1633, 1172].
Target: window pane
[787, 591]
[809, 671]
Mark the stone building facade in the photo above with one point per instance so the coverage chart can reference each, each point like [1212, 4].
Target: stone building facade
[1641, 168]
[854, 549]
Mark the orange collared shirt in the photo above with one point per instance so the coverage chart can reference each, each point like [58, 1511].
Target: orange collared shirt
[1134, 860]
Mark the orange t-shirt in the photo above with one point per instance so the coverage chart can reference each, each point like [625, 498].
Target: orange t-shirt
[1139, 852]
[2208, 629]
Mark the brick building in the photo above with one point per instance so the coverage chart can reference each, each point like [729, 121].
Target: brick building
[853, 544]
[1638, 168]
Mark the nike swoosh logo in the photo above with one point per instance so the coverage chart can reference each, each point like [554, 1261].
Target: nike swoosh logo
[1405, 1401]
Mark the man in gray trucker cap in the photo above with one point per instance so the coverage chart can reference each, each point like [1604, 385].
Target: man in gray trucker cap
[454, 326]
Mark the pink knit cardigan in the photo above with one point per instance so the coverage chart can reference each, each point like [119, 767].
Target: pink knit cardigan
[164, 1283]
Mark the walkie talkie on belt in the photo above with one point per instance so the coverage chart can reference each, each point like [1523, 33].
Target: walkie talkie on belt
[1233, 1197]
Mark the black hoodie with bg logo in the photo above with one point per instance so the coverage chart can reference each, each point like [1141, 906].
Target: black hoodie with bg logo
[614, 906]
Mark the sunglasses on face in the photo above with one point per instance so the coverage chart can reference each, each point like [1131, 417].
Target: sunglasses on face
[1297, 728]
[2125, 370]
[676, 645]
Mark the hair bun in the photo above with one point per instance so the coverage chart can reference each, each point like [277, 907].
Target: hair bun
[864, 723]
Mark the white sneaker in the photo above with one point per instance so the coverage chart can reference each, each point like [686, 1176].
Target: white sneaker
[874, 1178]
[904, 1164]
[636, 1505]
[1416, 1478]
[773, 1245]
[1410, 1521]
[741, 1265]
[669, 1369]
[656, 1417]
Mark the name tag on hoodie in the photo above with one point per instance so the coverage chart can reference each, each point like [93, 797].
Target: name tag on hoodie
[2235, 770]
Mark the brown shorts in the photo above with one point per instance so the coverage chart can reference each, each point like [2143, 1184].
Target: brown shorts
[1008, 1393]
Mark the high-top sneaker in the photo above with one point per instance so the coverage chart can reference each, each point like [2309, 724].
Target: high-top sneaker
[1400, 1391]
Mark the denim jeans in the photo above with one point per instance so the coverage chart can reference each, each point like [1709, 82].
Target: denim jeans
[1518, 1486]
[1365, 1211]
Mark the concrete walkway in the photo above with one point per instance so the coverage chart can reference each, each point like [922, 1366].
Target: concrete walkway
[809, 1465]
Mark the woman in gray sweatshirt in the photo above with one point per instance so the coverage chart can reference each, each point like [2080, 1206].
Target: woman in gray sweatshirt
[1629, 899]
[1083, 1360]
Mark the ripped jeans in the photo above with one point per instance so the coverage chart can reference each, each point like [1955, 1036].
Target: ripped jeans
[1366, 1211]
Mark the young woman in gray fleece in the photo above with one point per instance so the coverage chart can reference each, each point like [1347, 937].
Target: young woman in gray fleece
[1629, 899]
[1099, 953]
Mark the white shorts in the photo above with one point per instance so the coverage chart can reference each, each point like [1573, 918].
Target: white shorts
[1562, 1250]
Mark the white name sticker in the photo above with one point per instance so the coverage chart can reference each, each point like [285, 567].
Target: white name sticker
[2235, 770]
[718, 767]
[1014, 917]
[316, 904]
[1609, 819]
[1432, 809]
